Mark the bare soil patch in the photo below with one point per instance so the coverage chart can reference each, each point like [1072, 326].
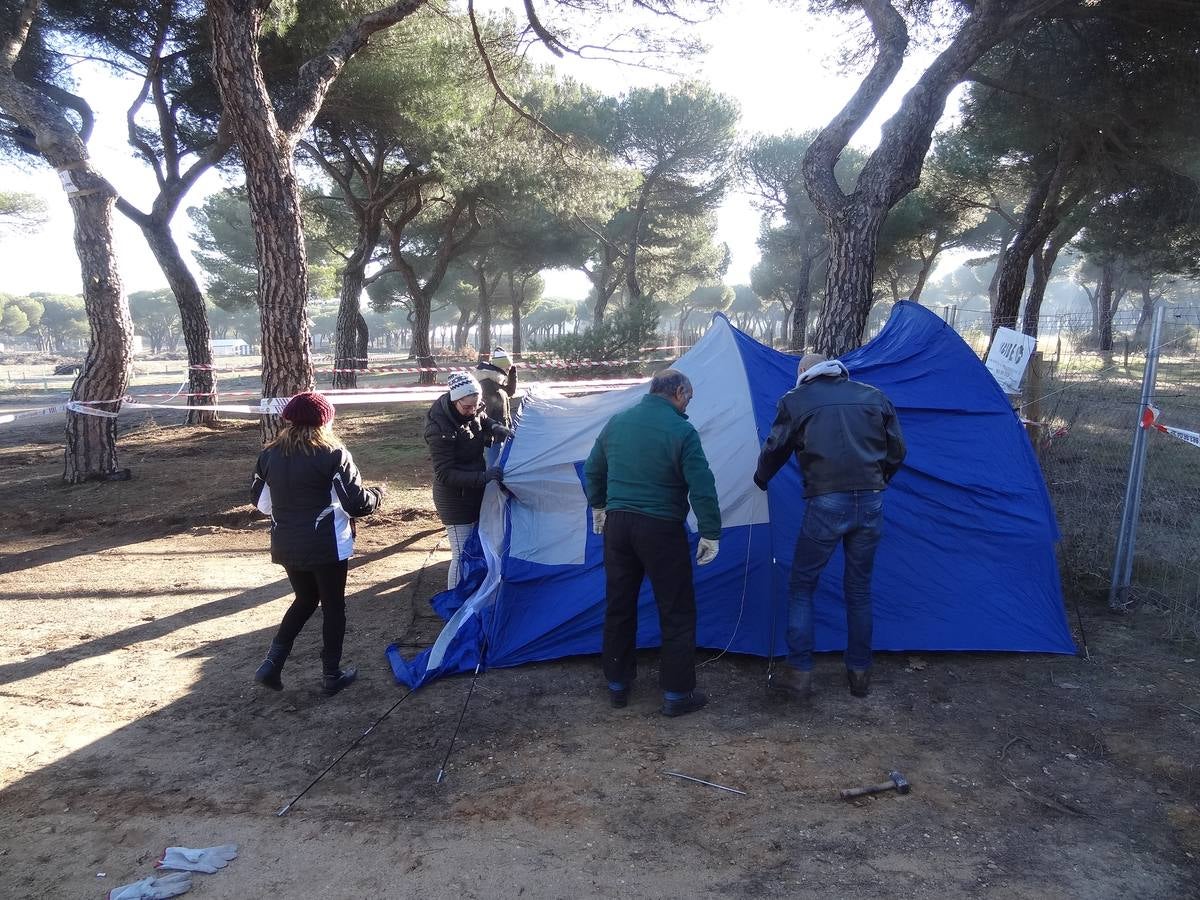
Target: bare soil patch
[135, 613]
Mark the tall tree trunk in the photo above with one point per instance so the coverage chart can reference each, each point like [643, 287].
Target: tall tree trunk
[202, 379]
[274, 196]
[268, 144]
[1043, 212]
[1105, 306]
[853, 238]
[1006, 237]
[486, 292]
[801, 303]
[605, 281]
[350, 350]
[91, 447]
[923, 275]
[517, 302]
[421, 352]
[894, 168]
[1139, 333]
[1043, 266]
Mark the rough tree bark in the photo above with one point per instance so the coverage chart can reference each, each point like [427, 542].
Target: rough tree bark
[606, 278]
[518, 300]
[91, 448]
[451, 243]
[1148, 300]
[1043, 265]
[799, 318]
[349, 355]
[174, 183]
[1043, 212]
[1108, 297]
[202, 379]
[268, 143]
[487, 290]
[894, 168]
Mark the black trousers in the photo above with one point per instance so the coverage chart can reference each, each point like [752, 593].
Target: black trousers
[636, 546]
[324, 586]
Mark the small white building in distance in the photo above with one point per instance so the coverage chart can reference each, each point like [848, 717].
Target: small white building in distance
[230, 347]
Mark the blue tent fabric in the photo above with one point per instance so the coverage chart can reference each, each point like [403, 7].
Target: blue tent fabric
[967, 561]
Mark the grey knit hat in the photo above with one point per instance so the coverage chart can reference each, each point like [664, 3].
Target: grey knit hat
[462, 385]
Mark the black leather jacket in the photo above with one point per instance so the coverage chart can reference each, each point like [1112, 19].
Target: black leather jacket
[845, 435]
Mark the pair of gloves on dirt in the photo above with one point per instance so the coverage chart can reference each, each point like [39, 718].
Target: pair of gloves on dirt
[186, 861]
[706, 550]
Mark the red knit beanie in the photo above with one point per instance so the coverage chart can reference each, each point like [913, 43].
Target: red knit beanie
[310, 409]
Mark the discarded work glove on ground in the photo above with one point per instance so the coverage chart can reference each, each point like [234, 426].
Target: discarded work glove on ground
[208, 859]
[154, 888]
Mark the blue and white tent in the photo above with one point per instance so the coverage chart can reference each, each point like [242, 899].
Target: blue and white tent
[966, 562]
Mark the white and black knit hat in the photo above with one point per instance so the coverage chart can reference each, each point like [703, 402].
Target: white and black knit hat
[500, 359]
[461, 385]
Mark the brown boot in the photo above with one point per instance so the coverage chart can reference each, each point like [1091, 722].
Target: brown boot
[792, 683]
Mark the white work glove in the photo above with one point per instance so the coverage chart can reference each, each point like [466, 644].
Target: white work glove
[598, 516]
[154, 888]
[706, 551]
[207, 860]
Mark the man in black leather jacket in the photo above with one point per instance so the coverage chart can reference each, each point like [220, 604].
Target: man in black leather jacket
[846, 438]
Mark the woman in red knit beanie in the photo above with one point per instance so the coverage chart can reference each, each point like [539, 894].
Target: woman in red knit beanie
[306, 481]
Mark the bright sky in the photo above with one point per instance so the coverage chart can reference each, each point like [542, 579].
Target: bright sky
[780, 64]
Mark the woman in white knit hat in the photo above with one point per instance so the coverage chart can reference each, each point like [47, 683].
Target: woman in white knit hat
[457, 431]
[498, 381]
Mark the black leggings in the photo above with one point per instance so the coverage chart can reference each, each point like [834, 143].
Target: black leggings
[324, 586]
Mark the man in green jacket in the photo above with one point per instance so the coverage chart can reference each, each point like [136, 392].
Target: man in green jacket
[645, 465]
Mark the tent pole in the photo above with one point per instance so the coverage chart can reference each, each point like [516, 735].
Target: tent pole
[470, 693]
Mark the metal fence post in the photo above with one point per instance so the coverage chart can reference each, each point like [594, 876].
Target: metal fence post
[1126, 537]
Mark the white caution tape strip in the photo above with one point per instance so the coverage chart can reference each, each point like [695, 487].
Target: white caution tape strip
[354, 397]
[31, 413]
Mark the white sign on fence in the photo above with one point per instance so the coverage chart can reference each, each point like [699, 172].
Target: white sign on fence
[1008, 357]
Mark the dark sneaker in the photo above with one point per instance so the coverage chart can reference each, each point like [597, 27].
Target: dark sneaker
[860, 682]
[618, 699]
[332, 683]
[791, 683]
[684, 705]
[268, 675]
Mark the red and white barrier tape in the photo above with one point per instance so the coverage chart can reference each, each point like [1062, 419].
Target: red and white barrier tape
[349, 397]
[1150, 420]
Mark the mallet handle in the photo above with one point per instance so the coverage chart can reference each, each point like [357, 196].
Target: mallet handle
[851, 793]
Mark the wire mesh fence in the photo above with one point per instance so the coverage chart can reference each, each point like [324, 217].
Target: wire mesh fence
[1086, 404]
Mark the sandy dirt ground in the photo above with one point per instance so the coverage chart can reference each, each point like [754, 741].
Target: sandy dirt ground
[134, 614]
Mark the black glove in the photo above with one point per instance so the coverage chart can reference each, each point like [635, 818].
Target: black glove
[495, 473]
[759, 483]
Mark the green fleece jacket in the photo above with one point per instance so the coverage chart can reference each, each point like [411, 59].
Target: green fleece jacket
[648, 460]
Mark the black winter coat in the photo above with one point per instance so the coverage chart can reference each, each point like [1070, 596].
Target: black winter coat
[497, 387]
[456, 445]
[311, 500]
[845, 435]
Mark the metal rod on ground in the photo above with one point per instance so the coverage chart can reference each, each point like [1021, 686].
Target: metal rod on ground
[416, 587]
[356, 742]
[474, 678]
[702, 781]
[1123, 559]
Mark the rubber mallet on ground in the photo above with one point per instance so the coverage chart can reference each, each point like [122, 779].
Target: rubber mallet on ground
[897, 782]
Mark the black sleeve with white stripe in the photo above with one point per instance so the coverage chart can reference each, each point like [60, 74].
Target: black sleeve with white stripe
[356, 499]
